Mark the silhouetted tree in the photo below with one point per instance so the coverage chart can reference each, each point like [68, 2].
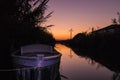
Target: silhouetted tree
[114, 21]
[92, 29]
[21, 24]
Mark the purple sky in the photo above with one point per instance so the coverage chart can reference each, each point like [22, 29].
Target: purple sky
[80, 15]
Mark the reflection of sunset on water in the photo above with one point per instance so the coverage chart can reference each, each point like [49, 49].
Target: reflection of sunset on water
[79, 68]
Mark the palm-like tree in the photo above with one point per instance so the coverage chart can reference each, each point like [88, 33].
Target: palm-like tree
[21, 21]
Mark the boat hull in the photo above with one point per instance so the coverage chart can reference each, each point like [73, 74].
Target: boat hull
[38, 57]
[40, 61]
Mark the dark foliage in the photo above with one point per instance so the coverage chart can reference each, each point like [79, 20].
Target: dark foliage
[108, 60]
[21, 24]
[101, 46]
[107, 39]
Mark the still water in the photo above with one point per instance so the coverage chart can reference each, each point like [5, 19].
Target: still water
[75, 67]
[71, 67]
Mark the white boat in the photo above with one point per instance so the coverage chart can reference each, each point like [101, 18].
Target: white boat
[36, 55]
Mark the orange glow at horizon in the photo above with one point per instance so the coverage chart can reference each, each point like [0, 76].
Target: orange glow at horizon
[60, 34]
[63, 33]
[80, 15]
[61, 37]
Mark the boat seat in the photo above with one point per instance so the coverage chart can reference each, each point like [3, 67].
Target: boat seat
[36, 48]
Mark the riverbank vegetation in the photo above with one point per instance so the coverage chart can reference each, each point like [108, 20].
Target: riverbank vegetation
[21, 23]
[101, 46]
[105, 39]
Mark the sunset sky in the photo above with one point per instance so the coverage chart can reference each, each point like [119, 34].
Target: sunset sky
[80, 15]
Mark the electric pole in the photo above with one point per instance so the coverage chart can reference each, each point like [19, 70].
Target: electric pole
[71, 30]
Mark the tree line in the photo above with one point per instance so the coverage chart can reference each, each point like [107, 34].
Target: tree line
[21, 23]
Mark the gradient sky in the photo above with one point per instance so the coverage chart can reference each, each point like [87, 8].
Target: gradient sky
[80, 15]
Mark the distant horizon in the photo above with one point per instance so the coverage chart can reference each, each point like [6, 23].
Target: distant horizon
[67, 38]
[62, 36]
[80, 15]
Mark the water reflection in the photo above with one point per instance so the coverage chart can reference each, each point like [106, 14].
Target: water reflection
[110, 61]
[74, 65]
[71, 55]
[30, 73]
[85, 66]
[116, 76]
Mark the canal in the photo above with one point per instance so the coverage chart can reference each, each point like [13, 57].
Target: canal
[74, 67]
